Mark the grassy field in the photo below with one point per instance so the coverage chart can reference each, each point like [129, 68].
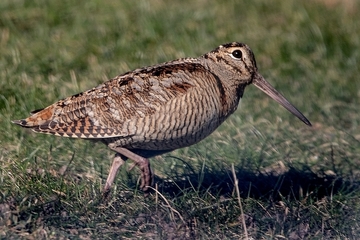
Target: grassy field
[295, 182]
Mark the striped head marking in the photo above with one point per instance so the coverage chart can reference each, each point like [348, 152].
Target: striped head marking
[234, 63]
[234, 60]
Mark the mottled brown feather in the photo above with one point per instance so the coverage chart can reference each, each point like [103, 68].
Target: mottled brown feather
[157, 109]
[102, 111]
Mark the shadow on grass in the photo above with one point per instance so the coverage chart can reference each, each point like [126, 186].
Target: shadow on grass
[290, 184]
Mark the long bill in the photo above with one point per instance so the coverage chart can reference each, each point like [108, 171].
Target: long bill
[260, 82]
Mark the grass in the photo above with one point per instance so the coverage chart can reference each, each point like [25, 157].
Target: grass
[295, 182]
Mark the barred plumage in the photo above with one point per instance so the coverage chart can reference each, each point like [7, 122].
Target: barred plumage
[157, 109]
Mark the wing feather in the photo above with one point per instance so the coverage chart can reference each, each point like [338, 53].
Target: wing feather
[108, 110]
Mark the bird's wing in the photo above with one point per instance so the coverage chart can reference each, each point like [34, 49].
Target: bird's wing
[103, 112]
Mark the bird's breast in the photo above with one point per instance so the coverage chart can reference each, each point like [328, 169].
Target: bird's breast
[181, 122]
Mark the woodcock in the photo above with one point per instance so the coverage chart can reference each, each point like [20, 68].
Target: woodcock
[157, 109]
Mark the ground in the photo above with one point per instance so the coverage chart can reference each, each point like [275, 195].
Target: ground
[295, 181]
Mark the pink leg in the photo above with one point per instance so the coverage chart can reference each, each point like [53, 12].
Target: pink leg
[117, 162]
[142, 163]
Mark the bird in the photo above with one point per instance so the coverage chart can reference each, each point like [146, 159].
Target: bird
[154, 110]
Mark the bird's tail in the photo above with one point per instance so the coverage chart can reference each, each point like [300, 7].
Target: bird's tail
[37, 118]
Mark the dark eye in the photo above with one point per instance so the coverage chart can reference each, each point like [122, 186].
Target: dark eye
[237, 54]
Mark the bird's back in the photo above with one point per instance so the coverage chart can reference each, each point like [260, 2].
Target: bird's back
[162, 107]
